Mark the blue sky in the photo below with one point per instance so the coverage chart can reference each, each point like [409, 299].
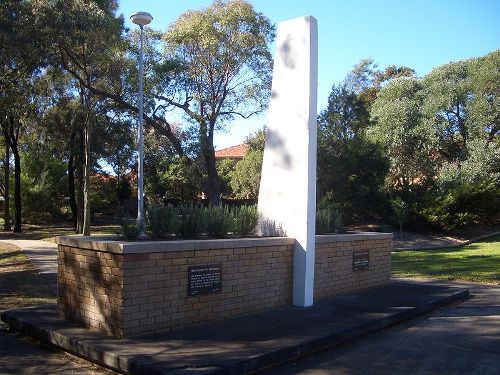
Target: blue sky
[419, 34]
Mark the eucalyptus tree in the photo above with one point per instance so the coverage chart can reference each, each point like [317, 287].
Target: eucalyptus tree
[82, 35]
[406, 138]
[216, 66]
[447, 90]
[484, 108]
[21, 61]
[462, 105]
[225, 72]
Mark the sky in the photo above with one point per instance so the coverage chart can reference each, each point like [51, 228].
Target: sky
[420, 34]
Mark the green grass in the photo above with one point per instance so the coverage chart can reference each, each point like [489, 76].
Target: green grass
[477, 262]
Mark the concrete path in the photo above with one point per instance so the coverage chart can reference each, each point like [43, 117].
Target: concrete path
[242, 344]
[464, 339]
[21, 355]
[43, 255]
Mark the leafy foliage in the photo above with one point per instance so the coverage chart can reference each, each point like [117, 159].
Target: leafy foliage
[104, 194]
[405, 138]
[245, 180]
[220, 221]
[162, 221]
[245, 220]
[351, 169]
[401, 211]
[43, 183]
[128, 227]
[329, 220]
[464, 205]
[482, 164]
[225, 170]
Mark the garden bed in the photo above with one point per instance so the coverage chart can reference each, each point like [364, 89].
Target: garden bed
[130, 288]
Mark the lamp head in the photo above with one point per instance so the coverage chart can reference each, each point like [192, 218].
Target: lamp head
[141, 18]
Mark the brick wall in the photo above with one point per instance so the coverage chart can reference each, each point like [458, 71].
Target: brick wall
[126, 289]
[90, 288]
[155, 294]
[130, 294]
[333, 272]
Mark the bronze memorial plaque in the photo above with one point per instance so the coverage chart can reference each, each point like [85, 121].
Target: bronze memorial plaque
[204, 279]
[360, 260]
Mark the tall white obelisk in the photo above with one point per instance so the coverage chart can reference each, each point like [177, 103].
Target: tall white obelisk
[287, 196]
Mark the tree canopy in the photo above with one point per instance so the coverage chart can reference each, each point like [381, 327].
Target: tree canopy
[68, 115]
[225, 71]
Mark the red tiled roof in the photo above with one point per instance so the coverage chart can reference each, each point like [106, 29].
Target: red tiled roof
[234, 152]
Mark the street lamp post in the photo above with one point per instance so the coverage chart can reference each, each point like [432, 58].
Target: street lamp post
[141, 19]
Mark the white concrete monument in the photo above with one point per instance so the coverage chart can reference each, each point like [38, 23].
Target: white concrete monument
[287, 196]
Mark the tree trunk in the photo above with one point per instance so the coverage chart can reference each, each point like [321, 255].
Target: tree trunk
[79, 193]
[212, 186]
[11, 130]
[86, 180]
[71, 192]
[17, 190]
[6, 208]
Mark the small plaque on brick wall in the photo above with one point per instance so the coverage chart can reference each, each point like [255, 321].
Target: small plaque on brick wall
[204, 279]
[360, 260]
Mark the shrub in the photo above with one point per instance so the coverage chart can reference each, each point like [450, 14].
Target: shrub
[401, 211]
[162, 221]
[338, 222]
[323, 221]
[329, 221]
[220, 221]
[192, 221]
[129, 228]
[245, 220]
[464, 205]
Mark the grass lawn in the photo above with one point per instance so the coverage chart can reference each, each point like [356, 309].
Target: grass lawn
[477, 262]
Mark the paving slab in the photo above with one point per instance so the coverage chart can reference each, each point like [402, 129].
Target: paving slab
[245, 343]
[461, 339]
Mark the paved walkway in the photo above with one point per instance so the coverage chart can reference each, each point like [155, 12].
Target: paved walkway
[463, 339]
[21, 355]
[43, 255]
[247, 343]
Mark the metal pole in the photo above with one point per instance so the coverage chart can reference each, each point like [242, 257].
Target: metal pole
[140, 167]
